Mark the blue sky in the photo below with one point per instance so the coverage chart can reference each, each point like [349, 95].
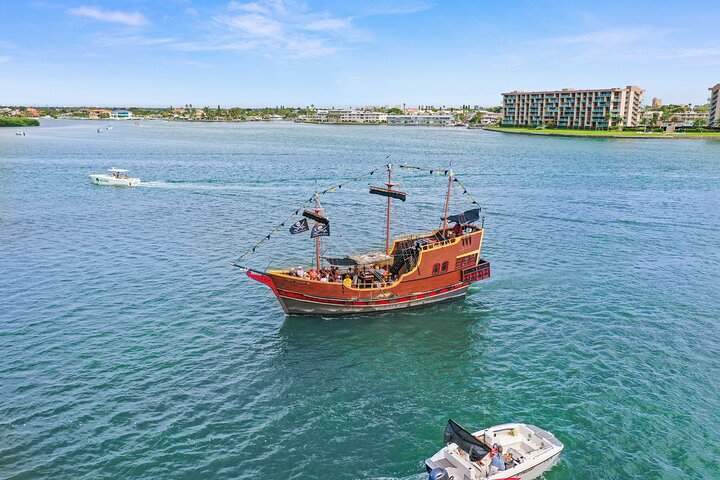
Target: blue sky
[342, 53]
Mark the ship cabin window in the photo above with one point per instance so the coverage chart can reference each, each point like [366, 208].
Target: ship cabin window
[466, 261]
[467, 240]
[444, 267]
[436, 269]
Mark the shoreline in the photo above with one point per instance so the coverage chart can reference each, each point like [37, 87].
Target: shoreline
[606, 134]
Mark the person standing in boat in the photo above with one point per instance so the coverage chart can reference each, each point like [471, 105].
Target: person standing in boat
[498, 459]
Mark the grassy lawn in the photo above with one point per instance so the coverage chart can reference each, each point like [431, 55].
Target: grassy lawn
[601, 133]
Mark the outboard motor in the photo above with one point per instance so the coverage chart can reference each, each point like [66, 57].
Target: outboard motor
[438, 474]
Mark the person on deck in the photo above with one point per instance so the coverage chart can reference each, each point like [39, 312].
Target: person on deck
[312, 274]
[300, 272]
[457, 230]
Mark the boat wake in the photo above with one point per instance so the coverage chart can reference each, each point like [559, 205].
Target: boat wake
[209, 185]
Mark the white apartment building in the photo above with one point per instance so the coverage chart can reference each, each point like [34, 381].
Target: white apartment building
[422, 119]
[348, 116]
[714, 119]
[570, 108]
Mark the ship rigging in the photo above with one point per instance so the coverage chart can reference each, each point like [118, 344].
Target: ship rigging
[413, 270]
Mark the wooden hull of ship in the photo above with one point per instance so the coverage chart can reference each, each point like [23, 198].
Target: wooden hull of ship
[295, 306]
[444, 270]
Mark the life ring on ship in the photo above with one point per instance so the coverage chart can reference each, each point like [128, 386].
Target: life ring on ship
[347, 282]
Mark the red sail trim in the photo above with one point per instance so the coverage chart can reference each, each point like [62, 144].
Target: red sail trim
[262, 278]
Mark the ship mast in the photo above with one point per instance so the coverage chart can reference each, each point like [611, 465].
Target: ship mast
[447, 203]
[317, 209]
[389, 184]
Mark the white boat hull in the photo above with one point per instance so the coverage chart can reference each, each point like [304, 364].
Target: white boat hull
[536, 450]
[107, 180]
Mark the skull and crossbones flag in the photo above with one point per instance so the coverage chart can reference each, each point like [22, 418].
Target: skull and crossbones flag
[320, 230]
[299, 226]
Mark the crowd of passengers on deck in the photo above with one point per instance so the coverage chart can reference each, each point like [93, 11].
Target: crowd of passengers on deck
[362, 277]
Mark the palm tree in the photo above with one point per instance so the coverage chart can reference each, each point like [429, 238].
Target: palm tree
[608, 119]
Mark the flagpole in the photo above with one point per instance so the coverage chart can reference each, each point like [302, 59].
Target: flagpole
[387, 227]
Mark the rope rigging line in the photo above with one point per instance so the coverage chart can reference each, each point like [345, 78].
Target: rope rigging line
[332, 189]
[445, 172]
[302, 207]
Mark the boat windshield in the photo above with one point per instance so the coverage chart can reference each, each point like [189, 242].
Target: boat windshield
[117, 172]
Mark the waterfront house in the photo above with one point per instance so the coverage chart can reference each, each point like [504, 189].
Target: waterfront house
[98, 113]
[121, 115]
[570, 108]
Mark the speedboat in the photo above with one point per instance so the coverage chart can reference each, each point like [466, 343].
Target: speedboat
[20, 132]
[115, 178]
[524, 452]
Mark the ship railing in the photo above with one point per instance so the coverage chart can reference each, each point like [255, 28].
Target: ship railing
[477, 272]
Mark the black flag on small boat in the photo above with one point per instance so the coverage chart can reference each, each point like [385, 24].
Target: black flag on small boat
[320, 230]
[299, 226]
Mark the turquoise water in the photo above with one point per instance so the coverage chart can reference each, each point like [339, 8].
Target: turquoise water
[131, 349]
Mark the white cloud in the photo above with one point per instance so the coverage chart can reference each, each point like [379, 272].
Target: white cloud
[607, 37]
[328, 24]
[4, 59]
[254, 24]
[113, 16]
[252, 7]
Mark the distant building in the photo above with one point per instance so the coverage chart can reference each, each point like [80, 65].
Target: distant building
[98, 113]
[31, 112]
[688, 118]
[488, 118]
[422, 119]
[121, 114]
[570, 108]
[656, 103]
[714, 119]
[347, 115]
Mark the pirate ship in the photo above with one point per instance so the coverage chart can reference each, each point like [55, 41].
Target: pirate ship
[415, 269]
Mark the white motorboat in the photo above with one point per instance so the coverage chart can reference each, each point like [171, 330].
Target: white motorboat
[115, 178]
[20, 132]
[525, 452]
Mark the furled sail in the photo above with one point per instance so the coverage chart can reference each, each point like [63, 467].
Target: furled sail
[386, 192]
[370, 258]
[316, 216]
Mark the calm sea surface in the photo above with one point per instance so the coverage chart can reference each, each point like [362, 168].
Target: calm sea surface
[129, 348]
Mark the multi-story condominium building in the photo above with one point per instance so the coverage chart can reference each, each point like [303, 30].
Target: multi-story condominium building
[363, 117]
[714, 120]
[422, 119]
[348, 116]
[570, 108]
[688, 118]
